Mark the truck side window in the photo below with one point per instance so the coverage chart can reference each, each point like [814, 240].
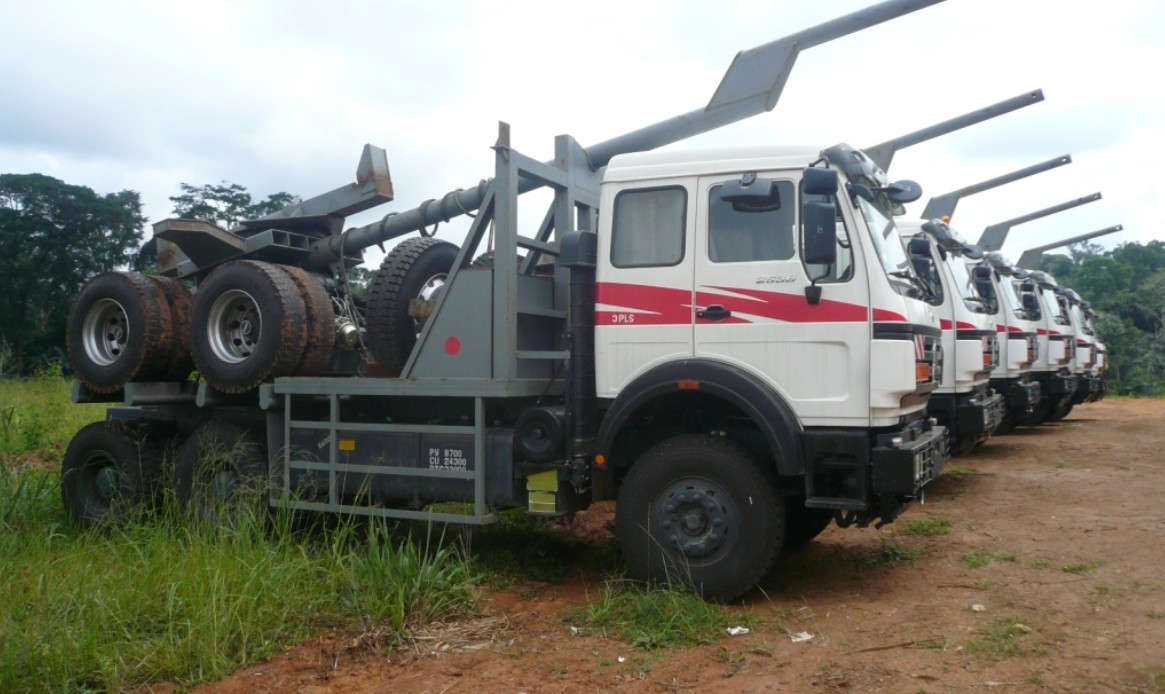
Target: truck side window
[736, 236]
[648, 227]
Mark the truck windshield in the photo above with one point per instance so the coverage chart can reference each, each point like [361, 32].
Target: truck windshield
[1009, 291]
[967, 290]
[888, 244]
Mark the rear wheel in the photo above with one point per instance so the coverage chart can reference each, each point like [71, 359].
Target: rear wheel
[320, 320]
[250, 326]
[411, 277]
[109, 471]
[119, 330]
[178, 300]
[699, 510]
[220, 472]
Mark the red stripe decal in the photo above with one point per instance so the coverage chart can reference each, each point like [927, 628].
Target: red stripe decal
[648, 305]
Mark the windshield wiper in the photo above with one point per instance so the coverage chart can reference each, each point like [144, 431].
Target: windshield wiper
[913, 279]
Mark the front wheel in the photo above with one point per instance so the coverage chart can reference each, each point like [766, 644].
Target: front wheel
[700, 510]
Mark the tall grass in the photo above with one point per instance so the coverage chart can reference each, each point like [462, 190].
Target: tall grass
[38, 418]
[170, 600]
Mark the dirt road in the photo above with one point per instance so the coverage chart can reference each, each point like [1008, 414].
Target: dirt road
[1050, 577]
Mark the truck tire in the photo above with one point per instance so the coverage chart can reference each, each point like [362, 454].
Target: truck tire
[321, 321]
[250, 326]
[803, 524]
[178, 300]
[109, 471]
[221, 472]
[1061, 412]
[415, 269]
[119, 330]
[699, 510]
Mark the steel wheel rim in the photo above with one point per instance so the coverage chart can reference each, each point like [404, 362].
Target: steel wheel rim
[431, 290]
[234, 326]
[105, 332]
[693, 519]
[102, 482]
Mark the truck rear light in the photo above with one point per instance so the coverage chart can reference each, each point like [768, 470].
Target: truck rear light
[922, 372]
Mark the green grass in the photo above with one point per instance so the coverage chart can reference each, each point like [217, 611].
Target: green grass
[653, 618]
[1003, 638]
[977, 560]
[891, 553]
[37, 417]
[166, 600]
[1081, 568]
[928, 527]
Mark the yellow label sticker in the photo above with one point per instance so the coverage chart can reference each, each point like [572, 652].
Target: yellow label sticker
[347, 444]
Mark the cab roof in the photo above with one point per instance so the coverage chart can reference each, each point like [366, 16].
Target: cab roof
[697, 162]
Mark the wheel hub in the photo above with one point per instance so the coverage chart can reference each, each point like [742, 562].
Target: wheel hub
[234, 326]
[692, 520]
[105, 332]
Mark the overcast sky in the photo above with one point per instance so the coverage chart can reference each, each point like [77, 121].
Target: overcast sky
[282, 95]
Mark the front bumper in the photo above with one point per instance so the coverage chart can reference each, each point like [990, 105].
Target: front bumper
[1022, 395]
[903, 463]
[981, 412]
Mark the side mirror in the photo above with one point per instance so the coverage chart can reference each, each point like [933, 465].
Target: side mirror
[819, 235]
[923, 267]
[904, 191]
[919, 247]
[819, 181]
[1031, 304]
[981, 273]
[1027, 287]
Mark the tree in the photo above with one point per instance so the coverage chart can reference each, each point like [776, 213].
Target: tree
[54, 237]
[226, 204]
[1127, 286]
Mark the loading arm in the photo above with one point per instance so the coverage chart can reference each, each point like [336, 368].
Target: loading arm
[995, 235]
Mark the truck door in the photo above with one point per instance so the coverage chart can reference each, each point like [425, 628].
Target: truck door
[643, 298]
[751, 309]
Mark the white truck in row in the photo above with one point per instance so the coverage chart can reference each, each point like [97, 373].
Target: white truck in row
[733, 345]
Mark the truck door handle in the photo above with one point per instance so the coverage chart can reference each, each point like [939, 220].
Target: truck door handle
[713, 312]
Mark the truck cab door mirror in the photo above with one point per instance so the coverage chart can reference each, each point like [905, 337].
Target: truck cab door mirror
[1031, 304]
[981, 273]
[819, 181]
[924, 268]
[819, 235]
[919, 247]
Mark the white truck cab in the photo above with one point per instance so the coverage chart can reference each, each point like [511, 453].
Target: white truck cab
[964, 401]
[771, 281]
[1019, 345]
[1088, 383]
[1053, 367]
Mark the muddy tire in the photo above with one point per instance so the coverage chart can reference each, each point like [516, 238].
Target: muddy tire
[1061, 412]
[178, 299]
[110, 471]
[415, 269]
[249, 326]
[119, 330]
[220, 473]
[699, 510]
[320, 319]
